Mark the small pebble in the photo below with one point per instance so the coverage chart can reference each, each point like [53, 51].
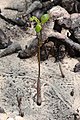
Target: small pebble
[2, 110]
[21, 74]
[72, 93]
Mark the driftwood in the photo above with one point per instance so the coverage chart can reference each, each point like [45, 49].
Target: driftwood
[17, 22]
[35, 5]
[48, 32]
[13, 48]
[64, 39]
[63, 18]
[53, 34]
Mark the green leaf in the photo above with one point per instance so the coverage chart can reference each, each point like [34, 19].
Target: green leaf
[44, 18]
[33, 18]
[38, 28]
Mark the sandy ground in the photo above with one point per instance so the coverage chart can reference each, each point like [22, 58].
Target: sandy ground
[4, 3]
[19, 77]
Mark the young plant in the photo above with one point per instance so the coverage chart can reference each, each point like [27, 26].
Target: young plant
[38, 29]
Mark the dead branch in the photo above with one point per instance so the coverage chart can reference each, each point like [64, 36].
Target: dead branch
[49, 33]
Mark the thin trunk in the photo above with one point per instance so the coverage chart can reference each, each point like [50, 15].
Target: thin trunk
[38, 81]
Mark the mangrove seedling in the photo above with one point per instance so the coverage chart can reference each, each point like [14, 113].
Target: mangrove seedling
[38, 29]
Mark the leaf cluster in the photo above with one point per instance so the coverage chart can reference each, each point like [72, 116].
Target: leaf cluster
[44, 19]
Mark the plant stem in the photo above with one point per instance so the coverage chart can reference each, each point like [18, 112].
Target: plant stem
[38, 81]
[62, 74]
